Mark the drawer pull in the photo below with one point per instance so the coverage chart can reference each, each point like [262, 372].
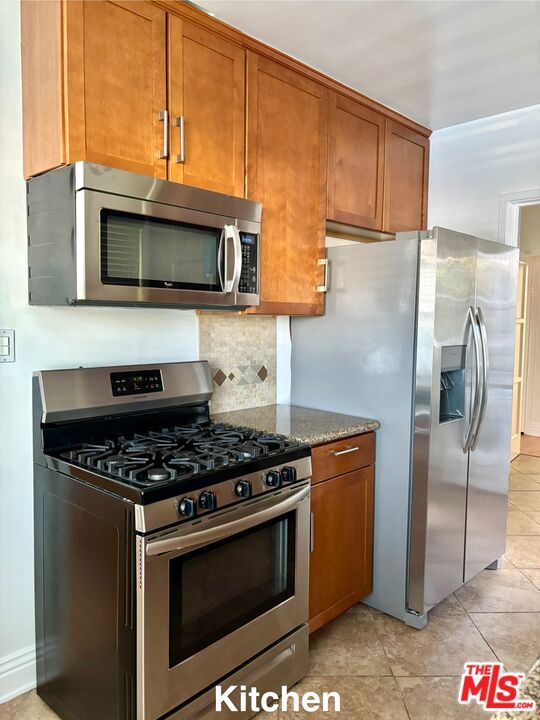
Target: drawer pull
[336, 453]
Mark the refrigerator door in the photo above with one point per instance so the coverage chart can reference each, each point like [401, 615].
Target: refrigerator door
[358, 358]
[496, 292]
[444, 396]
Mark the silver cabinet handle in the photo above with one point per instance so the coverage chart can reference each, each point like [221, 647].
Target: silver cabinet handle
[471, 318]
[485, 373]
[323, 288]
[189, 538]
[337, 453]
[179, 122]
[311, 532]
[164, 118]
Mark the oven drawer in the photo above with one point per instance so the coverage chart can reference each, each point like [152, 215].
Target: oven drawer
[284, 664]
[342, 456]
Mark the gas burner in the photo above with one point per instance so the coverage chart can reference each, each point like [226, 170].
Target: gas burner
[158, 474]
[168, 454]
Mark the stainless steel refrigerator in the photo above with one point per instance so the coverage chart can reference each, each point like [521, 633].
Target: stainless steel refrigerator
[419, 334]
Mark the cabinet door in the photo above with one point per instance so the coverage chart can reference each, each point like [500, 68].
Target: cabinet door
[286, 171]
[207, 90]
[116, 84]
[342, 544]
[405, 179]
[355, 163]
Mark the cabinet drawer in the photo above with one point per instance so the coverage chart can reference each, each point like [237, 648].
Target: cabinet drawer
[342, 456]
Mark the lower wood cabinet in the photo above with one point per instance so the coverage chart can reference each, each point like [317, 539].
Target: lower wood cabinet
[341, 541]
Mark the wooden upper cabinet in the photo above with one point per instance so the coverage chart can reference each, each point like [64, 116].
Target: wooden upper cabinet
[355, 163]
[406, 179]
[207, 90]
[286, 171]
[114, 86]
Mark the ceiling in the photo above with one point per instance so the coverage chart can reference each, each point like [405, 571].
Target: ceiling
[438, 62]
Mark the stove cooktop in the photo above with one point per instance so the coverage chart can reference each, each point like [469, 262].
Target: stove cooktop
[180, 453]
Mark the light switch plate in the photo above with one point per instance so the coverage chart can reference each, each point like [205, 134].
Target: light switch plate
[7, 346]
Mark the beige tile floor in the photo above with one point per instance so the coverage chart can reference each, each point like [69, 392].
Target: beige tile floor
[387, 671]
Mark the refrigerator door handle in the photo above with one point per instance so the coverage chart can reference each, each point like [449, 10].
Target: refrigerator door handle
[485, 372]
[471, 319]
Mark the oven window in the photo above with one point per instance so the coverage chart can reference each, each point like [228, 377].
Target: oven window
[215, 590]
[151, 252]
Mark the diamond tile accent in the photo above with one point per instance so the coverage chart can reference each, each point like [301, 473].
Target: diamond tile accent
[240, 347]
[219, 378]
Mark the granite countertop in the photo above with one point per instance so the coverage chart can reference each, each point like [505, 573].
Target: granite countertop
[303, 424]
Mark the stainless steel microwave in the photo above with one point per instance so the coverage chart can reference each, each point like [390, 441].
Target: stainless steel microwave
[102, 236]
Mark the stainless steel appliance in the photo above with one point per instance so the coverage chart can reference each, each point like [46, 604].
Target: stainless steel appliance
[100, 235]
[419, 333]
[171, 553]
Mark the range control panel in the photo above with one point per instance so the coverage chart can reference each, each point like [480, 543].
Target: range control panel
[136, 382]
[248, 277]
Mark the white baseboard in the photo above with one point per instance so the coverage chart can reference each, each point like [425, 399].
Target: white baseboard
[17, 673]
[532, 429]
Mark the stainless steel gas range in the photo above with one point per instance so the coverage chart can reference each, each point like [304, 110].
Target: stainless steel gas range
[171, 553]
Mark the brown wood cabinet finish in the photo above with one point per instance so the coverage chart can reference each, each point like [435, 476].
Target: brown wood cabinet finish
[355, 163]
[286, 171]
[342, 456]
[206, 88]
[405, 179]
[115, 84]
[342, 544]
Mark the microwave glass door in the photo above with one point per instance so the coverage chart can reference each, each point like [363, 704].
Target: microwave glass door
[215, 590]
[146, 251]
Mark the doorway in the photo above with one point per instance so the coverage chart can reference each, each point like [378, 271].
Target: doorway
[526, 396]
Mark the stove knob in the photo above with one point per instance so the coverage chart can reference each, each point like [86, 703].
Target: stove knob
[273, 479]
[288, 474]
[208, 500]
[188, 507]
[243, 488]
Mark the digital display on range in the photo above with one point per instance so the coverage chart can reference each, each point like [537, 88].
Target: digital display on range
[136, 383]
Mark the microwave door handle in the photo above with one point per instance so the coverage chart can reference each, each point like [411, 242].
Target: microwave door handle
[190, 539]
[220, 260]
[232, 238]
[237, 268]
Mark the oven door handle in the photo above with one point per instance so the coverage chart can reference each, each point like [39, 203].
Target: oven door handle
[190, 539]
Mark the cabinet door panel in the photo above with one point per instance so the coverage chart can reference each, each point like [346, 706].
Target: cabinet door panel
[405, 179]
[287, 126]
[116, 84]
[342, 544]
[355, 163]
[207, 88]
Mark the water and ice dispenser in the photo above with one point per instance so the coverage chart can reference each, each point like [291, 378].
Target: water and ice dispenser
[452, 404]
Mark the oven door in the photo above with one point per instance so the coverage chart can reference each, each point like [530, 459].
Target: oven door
[138, 251]
[214, 593]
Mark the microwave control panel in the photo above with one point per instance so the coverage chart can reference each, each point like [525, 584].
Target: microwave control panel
[136, 383]
[248, 277]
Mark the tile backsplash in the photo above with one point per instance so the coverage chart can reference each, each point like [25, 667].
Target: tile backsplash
[241, 350]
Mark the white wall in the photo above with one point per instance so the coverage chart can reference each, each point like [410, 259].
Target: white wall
[45, 338]
[474, 163]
